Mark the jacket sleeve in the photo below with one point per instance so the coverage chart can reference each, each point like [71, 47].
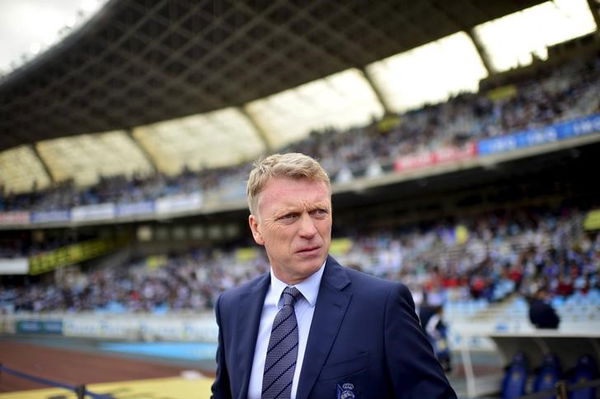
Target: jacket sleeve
[413, 370]
[220, 388]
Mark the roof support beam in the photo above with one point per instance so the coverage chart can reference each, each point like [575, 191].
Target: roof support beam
[44, 164]
[378, 93]
[481, 50]
[143, 150]
[594, 6]
[261, 132]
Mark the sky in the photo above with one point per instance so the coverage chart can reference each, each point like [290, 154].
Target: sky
[27, 26]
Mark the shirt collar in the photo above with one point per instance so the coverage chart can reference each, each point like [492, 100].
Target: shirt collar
[309, 288]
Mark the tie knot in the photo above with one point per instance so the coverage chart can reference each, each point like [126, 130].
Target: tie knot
[290, 295]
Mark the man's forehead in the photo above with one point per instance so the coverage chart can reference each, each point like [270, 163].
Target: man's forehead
[296, 203]
[294, 192]
[294, 184]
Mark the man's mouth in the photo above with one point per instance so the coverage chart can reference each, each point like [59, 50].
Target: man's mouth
[308, 250]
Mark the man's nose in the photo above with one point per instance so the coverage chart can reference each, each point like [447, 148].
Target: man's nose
[307, 226]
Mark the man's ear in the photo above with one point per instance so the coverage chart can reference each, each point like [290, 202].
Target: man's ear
[253, 222]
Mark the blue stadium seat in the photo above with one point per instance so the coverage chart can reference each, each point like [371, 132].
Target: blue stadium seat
[520, 304]
[515, 379]
[548, 375]
[558, 302]
[585, 370]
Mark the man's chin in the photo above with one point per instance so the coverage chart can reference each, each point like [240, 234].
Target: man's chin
[311, 263]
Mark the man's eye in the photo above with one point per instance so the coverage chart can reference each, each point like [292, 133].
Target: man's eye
[320, 212]
[289, 216]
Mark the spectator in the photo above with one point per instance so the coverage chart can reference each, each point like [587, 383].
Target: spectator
[432, 321]
[541, 312]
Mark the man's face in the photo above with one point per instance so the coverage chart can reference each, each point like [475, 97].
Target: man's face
[293, 222]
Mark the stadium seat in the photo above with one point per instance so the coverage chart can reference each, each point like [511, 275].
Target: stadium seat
[585, 370]
[515, 379]
[548, 375]
[558, 302]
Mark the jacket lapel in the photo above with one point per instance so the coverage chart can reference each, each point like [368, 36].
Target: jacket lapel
[249, 312]
[331, 306]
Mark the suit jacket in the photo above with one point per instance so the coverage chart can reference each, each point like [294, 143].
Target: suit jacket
[365, 339]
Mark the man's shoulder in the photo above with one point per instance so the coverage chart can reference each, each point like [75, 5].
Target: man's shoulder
[365, 280]
[369, 289]
[234, 293]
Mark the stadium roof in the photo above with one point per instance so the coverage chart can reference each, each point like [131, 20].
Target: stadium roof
[167, 84]
[138, 62]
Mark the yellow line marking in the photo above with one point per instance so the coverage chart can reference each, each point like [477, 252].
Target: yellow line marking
[161, 388]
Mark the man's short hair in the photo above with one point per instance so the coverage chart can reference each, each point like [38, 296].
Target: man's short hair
[291, 165]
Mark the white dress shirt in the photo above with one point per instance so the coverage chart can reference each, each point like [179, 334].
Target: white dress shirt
[304, 309]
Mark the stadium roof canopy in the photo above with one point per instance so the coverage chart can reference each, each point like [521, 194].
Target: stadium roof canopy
[170, 78]
[140, 61]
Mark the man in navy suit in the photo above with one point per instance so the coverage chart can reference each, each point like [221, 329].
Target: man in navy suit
[355, 336]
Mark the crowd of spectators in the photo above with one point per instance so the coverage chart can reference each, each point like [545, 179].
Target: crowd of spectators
[22, 244]
[488, 258]
[117, 189]
[553, 95]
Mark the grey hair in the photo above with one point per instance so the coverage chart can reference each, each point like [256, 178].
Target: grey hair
[292, 165]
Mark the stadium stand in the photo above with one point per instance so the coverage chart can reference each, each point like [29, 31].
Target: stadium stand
[464, 266]
[477, 236]
[562, 93]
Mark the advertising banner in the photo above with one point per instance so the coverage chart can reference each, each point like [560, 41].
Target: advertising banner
[579, 127]
[178, 203]
[52, 327]
[233, 191]
[592, 220]
[93, 212]
[414, 161]
[534, 137]
[98, 327]
[146, 328]
[515, 141]
[455, 154]
[14, 266]
[71, 254]
[14, 217]
[51, 216]
[429, 158]
[136, 208]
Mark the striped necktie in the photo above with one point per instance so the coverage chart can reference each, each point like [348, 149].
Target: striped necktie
[282, 351]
